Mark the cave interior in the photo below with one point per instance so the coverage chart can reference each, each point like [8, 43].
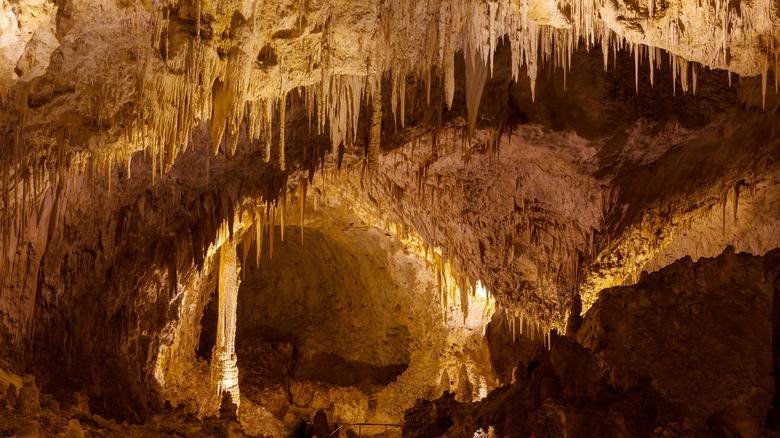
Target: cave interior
[389, 218]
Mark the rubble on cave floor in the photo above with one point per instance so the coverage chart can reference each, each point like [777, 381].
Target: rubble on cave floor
[25, 414]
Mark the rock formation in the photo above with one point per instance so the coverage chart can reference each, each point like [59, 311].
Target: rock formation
[713, 321]
[360, 207]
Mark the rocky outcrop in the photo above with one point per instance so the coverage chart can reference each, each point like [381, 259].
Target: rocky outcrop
[711, 347]
[688, 351]
[28, 401]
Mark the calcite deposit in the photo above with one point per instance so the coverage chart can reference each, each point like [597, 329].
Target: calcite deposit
[219, 218]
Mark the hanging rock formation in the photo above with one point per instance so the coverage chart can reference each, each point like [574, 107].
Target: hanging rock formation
[378, 202]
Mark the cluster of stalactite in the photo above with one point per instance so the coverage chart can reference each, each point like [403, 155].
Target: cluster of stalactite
[560, 249]
[204, 62]
[632, 236]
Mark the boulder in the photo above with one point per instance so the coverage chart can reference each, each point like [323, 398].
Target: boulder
[74, 429]
[29, 396]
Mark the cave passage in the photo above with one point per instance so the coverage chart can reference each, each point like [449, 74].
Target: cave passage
[334, 322]
[335, 306]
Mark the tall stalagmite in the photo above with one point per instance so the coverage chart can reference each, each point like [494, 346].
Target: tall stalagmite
[224, 372]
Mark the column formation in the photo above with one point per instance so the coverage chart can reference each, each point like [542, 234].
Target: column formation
[224, 372]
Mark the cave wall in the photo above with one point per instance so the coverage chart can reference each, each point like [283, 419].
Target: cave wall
[338, 293]
[105, 276]
[111, 192]
[138, 231]
[712, 348]
[707, 370]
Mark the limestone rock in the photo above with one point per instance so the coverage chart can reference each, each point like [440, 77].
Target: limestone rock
[10, 397]
[228, 409]
[48, 402]
[131, 131]
[34, 430]
[29, 396]
[711, 340]
[430, 418]
[74, 429]
[577, 370]
[81, 402]
[615, 379]
[551, 422]
[734, 421]
[256, 420]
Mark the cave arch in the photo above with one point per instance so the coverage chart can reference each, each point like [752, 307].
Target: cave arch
[349, 321]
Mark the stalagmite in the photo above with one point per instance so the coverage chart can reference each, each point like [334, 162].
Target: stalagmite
[224, 372]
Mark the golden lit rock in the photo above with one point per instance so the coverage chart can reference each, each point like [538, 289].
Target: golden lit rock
[431, 216]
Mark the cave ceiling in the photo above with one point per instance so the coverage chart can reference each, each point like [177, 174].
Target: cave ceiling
[547, 149]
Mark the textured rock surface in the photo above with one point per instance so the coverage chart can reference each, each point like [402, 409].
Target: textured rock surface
[533, 153]
[28, 401]
[713, 334]
[705, 371]
[348, 321]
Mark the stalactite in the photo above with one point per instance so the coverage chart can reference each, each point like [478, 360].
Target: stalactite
[394, 95]
[282, 118]
[512, 321]
[259, 232]
[464, 303]
[246, 245]
[636, 68]
[376, 129]
[764, 78]
[268, 136]
[725, 200]
[302, 196]
[197, 18]
[476, 75]
[282, 213]
[402, 92]
[272, 213]
[220, 108]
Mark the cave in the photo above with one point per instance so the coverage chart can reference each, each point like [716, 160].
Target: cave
[343, 318]
[395, 218]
